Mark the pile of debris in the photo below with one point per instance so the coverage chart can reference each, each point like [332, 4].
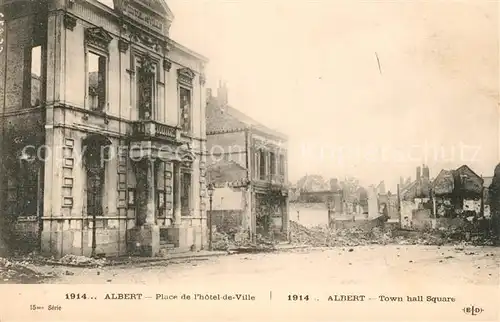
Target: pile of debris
[242, 243]
[322, 236]
[17, 272]
[76, 260]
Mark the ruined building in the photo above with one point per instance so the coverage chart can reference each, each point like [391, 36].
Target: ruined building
[103, 129]
[249, 166]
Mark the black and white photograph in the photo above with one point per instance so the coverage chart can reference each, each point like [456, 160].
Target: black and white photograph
[243, 160]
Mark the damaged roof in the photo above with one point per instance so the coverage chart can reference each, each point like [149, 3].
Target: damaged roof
[226, 118]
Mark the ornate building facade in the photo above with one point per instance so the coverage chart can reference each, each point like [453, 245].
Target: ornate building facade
[103, 129]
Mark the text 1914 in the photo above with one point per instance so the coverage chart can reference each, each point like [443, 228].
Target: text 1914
[76, 296]
[297, 297]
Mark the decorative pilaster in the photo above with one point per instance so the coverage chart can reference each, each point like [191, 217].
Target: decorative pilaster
[168, 188]
[177, 193]
[122, 183]
[67, 188]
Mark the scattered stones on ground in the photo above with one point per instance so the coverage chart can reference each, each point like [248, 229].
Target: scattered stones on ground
[13, 271]
[81, 260]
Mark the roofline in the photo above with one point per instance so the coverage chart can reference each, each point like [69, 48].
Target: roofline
[465, 165]
[188, 51]
[236, 130]
[269, 132]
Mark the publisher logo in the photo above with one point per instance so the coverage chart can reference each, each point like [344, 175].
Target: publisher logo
[473, 310]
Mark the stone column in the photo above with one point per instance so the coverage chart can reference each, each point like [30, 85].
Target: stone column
[150, 204]
[177, 193]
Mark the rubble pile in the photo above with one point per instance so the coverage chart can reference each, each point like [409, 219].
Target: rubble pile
[12, 271]
[241, 243]
[76, 260]
[220, 241]
[322, 236]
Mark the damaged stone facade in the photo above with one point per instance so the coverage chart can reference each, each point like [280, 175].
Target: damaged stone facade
[109, 158]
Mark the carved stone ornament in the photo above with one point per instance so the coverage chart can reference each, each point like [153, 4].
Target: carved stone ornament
[139, 36]
[147, 64]
[185, 76]
[202, 79]
[69, 22]
[98, 37]
[167, 65]
[123, 45]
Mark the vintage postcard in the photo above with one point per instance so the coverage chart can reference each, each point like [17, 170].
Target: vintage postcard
[239, 160]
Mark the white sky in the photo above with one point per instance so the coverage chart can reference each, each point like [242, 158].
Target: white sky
[308, 68]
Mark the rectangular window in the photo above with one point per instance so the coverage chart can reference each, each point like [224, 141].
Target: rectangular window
[96, 78]
[131, 197]
[281, 165]
[33, 76]
[272, 163]
[160, 202]
[262, 165]
[145, 92]
[185, 109]
[256, 164]
[185, 193]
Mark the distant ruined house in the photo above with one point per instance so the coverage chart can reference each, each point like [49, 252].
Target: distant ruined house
[458, 191]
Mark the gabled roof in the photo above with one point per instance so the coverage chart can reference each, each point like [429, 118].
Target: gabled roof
[227, 119]
[463, 178]
[444, 182]
[218, 120]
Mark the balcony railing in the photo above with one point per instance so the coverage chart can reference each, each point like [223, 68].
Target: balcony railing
[272, 178]
[154, 129]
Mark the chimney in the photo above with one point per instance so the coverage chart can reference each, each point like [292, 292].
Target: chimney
[222, 94]
[418, 174]
[401, 182]
[426, 172]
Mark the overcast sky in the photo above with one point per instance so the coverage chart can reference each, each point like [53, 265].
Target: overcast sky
[310, 70]
[370, 89]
